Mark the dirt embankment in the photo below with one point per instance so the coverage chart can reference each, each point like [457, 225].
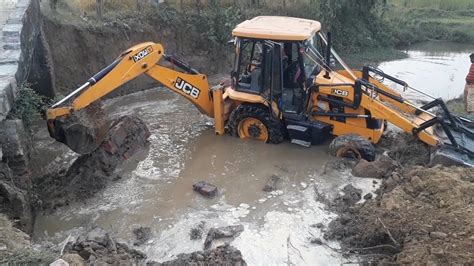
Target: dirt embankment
[421, 214]
[79, 49]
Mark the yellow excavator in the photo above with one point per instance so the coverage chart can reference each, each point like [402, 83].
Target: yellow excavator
[287, 82]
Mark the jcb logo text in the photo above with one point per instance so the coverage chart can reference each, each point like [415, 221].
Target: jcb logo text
[187, 88]
[339, 92]
[142, 54]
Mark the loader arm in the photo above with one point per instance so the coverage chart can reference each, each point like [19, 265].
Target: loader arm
[139, 59]
[385, 104]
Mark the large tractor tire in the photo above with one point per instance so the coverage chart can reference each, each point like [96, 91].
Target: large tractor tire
[254, 121]
[352, 146]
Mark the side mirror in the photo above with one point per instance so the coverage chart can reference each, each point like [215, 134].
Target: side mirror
[231, 42]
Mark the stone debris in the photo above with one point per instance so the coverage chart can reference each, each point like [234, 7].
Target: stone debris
[350, 197]
[271, 184]
[142, 235]
[223, 255]
[205, 189]
[316, 241]
[222, 232]
[368, 196]
[97, 247]
[197, 231]
[318, 225]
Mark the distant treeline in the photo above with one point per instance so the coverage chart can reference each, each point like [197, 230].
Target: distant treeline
[357, 25]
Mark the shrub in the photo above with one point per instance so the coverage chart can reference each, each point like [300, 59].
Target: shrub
[27, 105]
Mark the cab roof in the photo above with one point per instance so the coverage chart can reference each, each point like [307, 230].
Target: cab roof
[277, 28]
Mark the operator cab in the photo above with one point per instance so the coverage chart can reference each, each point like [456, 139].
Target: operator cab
[272, 59]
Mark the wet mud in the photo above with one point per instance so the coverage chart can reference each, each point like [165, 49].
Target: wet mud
[421, 215]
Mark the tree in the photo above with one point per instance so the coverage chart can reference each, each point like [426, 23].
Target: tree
[100, 9]
[53, 4]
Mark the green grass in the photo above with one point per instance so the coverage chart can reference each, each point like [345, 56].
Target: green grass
[449, 5]
[415, 23]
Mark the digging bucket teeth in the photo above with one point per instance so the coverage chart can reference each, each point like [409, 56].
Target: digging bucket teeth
[457, 133]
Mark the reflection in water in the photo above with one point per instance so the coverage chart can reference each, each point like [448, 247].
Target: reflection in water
[437, 68]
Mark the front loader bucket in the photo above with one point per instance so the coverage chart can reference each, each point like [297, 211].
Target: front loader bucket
[457, 134]
[459, 151]
[82, 131]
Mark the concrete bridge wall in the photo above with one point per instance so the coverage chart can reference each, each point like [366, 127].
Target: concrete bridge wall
[20, 24]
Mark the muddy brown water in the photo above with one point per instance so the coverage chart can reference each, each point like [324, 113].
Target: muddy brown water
[156, 186]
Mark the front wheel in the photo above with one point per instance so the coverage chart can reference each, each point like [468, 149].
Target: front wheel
[352, 146]
[254, 121]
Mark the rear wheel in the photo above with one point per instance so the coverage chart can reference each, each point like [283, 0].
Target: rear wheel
[352, 146]
[253, 121]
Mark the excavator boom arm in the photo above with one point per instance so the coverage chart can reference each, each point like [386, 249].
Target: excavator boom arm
[88, 131]
[139, 59]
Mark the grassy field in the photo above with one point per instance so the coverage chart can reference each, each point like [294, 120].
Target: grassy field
[448, 5]
[419, 20]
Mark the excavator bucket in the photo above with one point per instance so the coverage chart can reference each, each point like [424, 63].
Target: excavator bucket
[455, 132]
[83, 131]
[458, 135]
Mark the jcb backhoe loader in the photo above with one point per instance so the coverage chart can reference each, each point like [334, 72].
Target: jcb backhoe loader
[283, 85]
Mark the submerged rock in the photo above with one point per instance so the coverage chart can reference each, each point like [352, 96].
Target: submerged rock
[142, 235]
[205, 189]
[271, 184]
[222, 232]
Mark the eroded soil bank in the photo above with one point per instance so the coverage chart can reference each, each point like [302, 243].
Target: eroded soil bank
[421, 215]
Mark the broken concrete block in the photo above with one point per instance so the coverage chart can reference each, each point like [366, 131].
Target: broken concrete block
[205, 189]
[271, 184]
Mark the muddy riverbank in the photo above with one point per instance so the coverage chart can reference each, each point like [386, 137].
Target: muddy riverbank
[420, 214]
[287, 225]
[155, 189]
